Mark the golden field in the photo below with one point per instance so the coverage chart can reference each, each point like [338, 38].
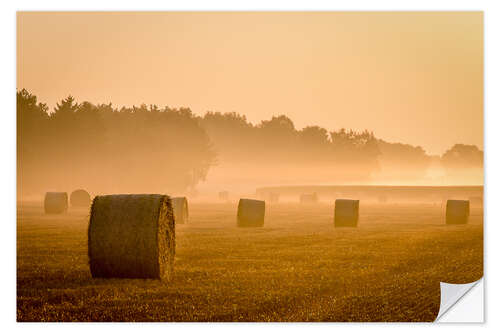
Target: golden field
[298, 267]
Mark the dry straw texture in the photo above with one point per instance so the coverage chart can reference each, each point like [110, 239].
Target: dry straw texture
[131, 236]
[181, 211]
[457, 211]
[346, 213]
[79, 198]
[55, 202]
[251, 213]
[309, 198]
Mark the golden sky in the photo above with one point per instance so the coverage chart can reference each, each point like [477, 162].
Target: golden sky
[413, 77]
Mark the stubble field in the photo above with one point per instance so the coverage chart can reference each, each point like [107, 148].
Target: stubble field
[298, 267]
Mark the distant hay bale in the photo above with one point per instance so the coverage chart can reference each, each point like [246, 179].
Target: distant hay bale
[251, 213]
[273, 197]
[346, 213]
[181, 212]
[309, 198]
[55, 202]
[382, 198]
[224, 195]
[457, 211]
[131, 236]
[79, 198]
[476, 201]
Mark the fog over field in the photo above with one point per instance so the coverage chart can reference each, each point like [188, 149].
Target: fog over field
[297, 268]
[164, 150]
[299, 98]
[247, 166]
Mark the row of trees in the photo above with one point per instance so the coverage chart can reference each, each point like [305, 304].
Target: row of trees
[277, 138]
[151, 148]
[275, 146]
[100, 147]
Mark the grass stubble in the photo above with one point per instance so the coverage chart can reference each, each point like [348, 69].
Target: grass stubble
[298, 267]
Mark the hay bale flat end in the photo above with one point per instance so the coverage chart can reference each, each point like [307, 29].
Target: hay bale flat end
[55, 202]
[251, 213]
[79, 198]
[457, 211]
[346, 213]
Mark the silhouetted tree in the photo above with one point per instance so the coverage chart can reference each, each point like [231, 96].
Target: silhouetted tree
[314, 136]
[167, 149]
[462, 156]
[65, 110]
[132, 149]
[403, 161]
[32, 127]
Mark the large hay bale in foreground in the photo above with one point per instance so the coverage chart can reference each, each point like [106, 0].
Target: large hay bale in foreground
[55, 202]
[131, 236]
[346, 213]
[309, 198]
[181, 212]
[251, 213]
[457, 211]
[79, 198]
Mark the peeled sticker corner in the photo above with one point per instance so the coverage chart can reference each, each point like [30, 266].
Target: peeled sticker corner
[454, 297]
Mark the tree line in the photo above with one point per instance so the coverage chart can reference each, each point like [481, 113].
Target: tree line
[100, 147]
[160, 149]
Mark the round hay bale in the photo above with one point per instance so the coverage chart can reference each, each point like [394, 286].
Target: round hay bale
[79, 198]
[274, 197]
[382, 198]
[181, 212]
[251, 213]
[55, 202]
[224, 195]
[457, 211]
[346, 213]
[309, 198]
[476, 201]
[131, 236]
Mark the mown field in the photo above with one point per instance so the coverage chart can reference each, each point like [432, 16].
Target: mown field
[298, 267]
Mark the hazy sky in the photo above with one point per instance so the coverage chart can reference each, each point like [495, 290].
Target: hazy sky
[410, 77]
